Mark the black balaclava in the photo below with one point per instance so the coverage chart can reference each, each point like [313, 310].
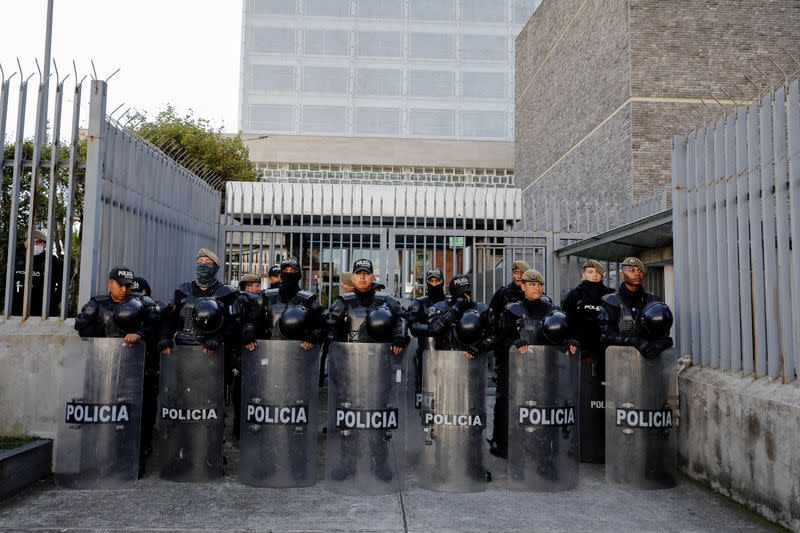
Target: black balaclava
[290, 280]
[434, 292]
[206, 274]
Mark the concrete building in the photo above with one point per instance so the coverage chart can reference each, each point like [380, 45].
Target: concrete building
[398, 91]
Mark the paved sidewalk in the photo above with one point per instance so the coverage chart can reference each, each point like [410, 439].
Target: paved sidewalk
[226, 505]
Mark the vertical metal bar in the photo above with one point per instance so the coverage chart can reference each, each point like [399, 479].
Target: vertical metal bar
[51, 204]
[14, 195]
[743, 228]
[721, 241]
[773, 362]
[756, 241]
[732, 261]
[680, 235]
[693, 243]
[702, 248]
[92, 205]
[711, 248]
[793, 142]
[787, 318]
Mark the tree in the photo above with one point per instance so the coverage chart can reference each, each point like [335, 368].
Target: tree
[227, 157]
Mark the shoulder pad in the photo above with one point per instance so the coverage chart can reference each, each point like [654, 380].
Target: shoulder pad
[546, 299]
[147, 301]
[186, 288]
[100, 299]
[649, 298]
[612, 299]
[481, 307]
[441, 307]
[348, 297]
[306, 297]
[222, 291]
[515, 308]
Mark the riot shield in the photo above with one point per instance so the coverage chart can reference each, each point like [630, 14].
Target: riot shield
[454, 418]
[191, 414]
[279, 415]
[365, 408]
[97, 438]
[544, 405]
[593, 412]
[641, 395]
[412, 428]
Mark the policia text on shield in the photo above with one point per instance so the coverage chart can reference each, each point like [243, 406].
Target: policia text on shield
[264, 347]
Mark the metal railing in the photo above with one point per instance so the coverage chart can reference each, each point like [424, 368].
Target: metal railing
[736, 218]
[128, 203]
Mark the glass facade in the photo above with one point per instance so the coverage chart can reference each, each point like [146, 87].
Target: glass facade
[438, 69]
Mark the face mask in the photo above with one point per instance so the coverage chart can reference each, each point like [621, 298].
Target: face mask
[434, 291]
[206, 274]
[291, 278]
[38, 249]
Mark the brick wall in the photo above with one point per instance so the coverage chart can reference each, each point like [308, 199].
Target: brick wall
[655, 58]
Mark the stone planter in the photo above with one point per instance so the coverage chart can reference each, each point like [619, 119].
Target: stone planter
[24, 465]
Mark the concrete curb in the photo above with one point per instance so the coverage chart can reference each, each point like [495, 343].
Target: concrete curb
[23, 466]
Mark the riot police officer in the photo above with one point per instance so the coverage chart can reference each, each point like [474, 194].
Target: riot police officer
[274, 276]
[364, 316]
[526, 323]
[582, 306]
[351, 318]
[505, 295]
[201, 311]
[117, 314]
[631, 316]
[141, 289]
[248, 298]
[418, 314]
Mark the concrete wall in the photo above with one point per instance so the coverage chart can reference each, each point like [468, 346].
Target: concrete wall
[30, 364]
[740, 436]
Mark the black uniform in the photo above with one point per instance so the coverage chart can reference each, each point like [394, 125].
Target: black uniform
[583, 308]
[620, 313]
[521, 321]
[347, 321]
[37, 285]
[504, 296]
[418, 314]
[96, 319]
[178, 317]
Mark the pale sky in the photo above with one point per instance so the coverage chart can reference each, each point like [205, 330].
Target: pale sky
[183, 52]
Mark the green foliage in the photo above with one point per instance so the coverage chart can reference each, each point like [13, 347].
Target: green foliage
[227, 157]
[9, 443]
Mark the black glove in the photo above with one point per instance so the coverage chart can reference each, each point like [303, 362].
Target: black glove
[461, 305]
[400, 341]
[163, 345]
[654, 348]
[474, 350]
[573, 342]
[519, 343]
[212, 345]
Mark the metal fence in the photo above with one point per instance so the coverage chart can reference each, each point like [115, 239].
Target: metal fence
[736, 217]
[128, 203]
[403, 230]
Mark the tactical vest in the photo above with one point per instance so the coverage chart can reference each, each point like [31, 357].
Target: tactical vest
[356, 322]
[530, 327]
[626, 322]
[105, 314]
[187, 333]
[274, 308]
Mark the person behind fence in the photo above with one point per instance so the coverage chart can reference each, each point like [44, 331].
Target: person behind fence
[37, 279]
[346, 320]
[141, 289]
[274, 276]
[534, 320]
[505, 295]
[631, 316]
[582, 306]
[346, 281]
[418, 314]
[201, 310]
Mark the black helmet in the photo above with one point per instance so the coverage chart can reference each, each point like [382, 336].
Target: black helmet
[292, 323]
[380, 324]
[555, 327]
[208, 315]
[140, 286]
[468, 329]
[129, 315]
[654, 322]
[460, 285]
